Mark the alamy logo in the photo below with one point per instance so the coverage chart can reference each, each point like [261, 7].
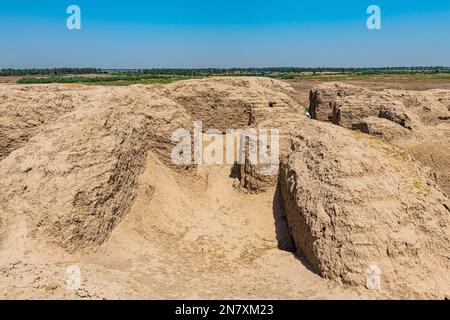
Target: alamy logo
[212, 147]
[374, 20]
[74, 20]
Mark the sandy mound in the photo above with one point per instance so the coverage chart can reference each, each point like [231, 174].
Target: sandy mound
[381, 127]
[353, 202]
[345, 104]
[232, 103]
[76, 179]
[23, 110]
[322, 99]
[87, 180]
[413, 120]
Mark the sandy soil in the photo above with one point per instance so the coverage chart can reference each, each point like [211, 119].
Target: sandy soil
[211, 242]
[11, 79]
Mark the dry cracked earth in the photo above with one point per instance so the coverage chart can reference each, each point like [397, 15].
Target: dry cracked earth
[87, 181]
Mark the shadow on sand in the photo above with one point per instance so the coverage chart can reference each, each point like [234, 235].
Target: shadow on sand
[283, 234]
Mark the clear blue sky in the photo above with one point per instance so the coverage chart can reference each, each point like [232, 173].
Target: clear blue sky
[223, 33]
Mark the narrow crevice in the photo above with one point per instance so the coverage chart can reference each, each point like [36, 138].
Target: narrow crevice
[283, 234]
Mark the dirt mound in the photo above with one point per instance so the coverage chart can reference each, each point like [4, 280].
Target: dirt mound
[74, 181]
[232, 103]
[253, 177]
[322, 98]
[381, 127]
[87, 180]
[346, 104]
[23, 110]
[179, 236]
[347, 112]
[353, 202]
[409, 119]
[76, 177]
[434, 153]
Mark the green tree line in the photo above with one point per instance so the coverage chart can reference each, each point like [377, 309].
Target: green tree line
[218, 71]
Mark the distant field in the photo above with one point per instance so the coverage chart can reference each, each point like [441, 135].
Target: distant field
[412, 80]
[368, 76]
[9, 79]
[110, 79]
[129, 78]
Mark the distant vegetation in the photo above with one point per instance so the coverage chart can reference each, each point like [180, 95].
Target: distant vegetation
[131, 76]
[124, 79]
[289, 71]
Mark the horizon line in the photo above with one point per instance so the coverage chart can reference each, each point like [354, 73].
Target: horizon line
[228, 68]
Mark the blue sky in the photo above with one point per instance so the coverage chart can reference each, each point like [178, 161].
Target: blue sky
[219, 33]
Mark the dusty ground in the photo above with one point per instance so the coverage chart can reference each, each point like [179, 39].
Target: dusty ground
[212, 242]
[11, 79]
[186, 235]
